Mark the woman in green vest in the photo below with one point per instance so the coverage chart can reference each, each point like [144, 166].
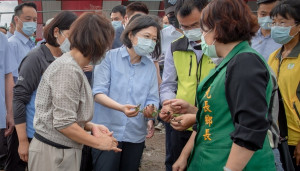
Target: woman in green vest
[233, 100]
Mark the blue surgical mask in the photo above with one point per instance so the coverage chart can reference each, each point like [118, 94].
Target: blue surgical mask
[144, 46]
[166, 25]
[265, 22]
[28, 27]
[193, 34]
[281, 34]
[208, 50]
[116, 24]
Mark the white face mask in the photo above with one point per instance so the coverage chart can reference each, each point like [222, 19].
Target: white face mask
[193, 34]
[65, 46]
[144, 46]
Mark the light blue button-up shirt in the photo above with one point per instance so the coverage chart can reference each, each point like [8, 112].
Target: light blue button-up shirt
[8, 35]
[21, 46]
[264, 45]
[168, 35]
[7, 65]
[125, 83]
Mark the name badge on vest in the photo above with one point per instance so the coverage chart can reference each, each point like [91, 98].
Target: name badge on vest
[291, 66]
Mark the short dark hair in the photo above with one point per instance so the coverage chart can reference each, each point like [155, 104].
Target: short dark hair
[289, 8]
[134, 17]
[185, 7]
[62, 21]
[231, 20]
[137, 25]
[19, 8]
[136, 6]
[12, 20]
[259, 2]
[92, 34]
[119, 8]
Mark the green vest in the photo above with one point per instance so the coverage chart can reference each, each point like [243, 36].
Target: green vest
[189, 71]
[213, 143]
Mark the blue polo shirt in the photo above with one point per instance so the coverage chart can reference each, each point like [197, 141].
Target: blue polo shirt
[21, 45]
[264, 45]
[125, 83]
[7, 65]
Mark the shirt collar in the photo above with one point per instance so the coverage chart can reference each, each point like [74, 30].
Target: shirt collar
[173, 30]
[47, 52]
[259, 33]
[21, 37]
[192, 45]
[296, 51]
[124, 53]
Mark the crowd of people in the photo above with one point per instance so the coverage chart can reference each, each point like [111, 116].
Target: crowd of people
[222, 80]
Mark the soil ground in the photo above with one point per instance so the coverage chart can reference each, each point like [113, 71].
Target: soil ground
[154, 153]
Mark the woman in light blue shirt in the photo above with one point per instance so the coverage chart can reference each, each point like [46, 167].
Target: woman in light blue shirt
[126, 94]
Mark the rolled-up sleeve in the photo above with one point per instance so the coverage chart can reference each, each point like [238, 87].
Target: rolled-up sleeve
[102, 76]
[65, 84]
[168, 86]
[246, 82]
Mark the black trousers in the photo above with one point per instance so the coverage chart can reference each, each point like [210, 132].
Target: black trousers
[292, 148]
[127, 160]
[179, 139]
[3, 149]
[13, 162]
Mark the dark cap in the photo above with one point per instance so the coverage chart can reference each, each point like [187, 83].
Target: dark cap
[169, 7]
[265, 1]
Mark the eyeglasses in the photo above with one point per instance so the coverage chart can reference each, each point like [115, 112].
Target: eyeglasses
[282, 24]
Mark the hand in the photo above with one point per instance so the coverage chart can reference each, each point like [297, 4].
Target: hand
[107, 143]
[166, 113]
[10, 124]
[88, 68]
[297, 154]
[150, 129]
[180, 164]
[183, 122]
[129, 110]
[148, 111]
[98, 129]
[23, 150]
[178, 106]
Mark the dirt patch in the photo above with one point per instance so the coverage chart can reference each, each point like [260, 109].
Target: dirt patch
[154, 153]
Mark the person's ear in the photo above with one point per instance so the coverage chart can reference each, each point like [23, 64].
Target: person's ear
[56, 32]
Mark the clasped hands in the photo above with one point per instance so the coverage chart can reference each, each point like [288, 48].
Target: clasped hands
[186, 117]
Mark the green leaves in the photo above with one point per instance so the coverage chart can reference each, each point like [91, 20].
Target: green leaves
[154, 113]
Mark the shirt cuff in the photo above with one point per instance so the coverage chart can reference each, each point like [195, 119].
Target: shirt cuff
[251, 139]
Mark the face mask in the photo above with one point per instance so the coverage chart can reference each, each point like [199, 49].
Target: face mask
[65, 46]
[116, 24]
[193, 34]
[208, 50]
[166, 25]
[281, 34]
[28, 27]
[265, 22]
[173, 21]
[144, 46]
